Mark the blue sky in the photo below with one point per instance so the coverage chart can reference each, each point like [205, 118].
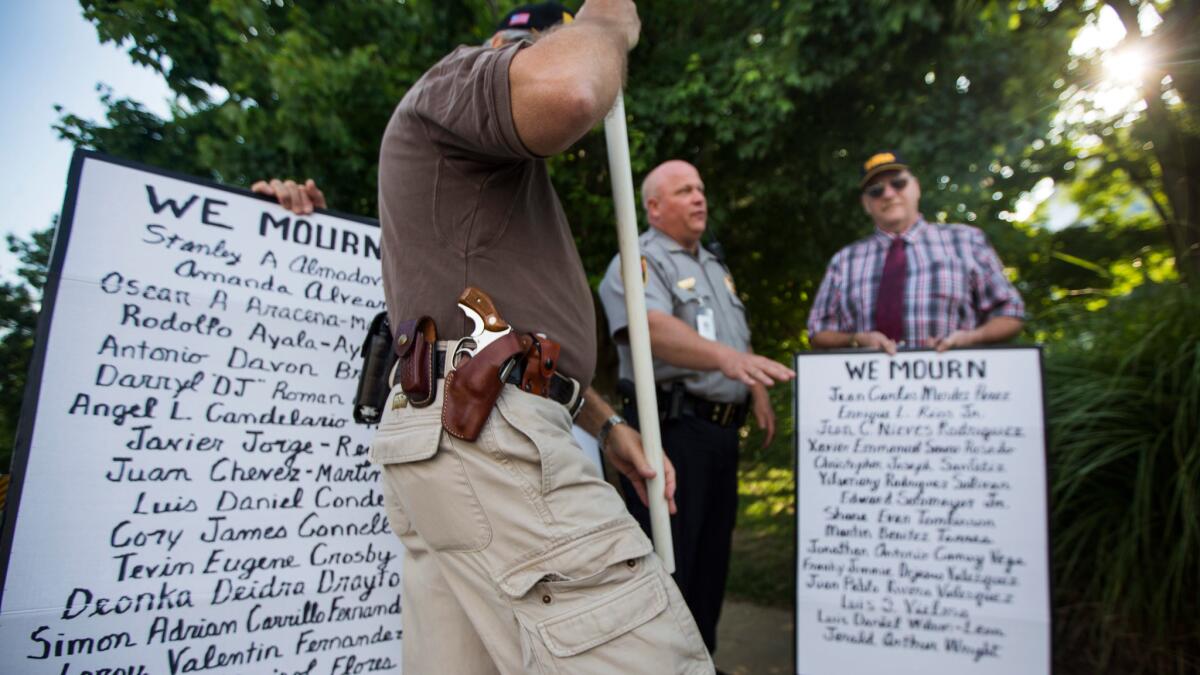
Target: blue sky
[49, 54]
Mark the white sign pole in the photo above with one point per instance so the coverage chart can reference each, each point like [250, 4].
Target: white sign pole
[639, 328]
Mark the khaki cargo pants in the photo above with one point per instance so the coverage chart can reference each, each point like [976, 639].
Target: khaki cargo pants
[519, 558]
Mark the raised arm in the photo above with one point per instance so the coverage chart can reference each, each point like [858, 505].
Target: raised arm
[564, 83]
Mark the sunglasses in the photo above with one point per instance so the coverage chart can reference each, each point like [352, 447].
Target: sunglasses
[876, 190]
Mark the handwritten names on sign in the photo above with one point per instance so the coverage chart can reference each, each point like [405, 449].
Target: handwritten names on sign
[194, 495]
[921, 538]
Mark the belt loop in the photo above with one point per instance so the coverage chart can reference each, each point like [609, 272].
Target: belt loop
[392, 373]
[577, 400]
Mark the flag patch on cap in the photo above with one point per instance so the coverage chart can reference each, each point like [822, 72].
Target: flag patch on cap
[519, 19]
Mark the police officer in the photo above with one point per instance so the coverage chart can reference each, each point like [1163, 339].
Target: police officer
[705, 372]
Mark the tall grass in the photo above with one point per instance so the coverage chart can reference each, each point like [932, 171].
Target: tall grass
[1123, 397]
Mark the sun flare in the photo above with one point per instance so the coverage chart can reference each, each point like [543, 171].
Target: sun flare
[1126, 66]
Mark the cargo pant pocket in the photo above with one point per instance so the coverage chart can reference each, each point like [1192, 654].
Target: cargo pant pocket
[617, 612]
[607, 618]
[425, 485]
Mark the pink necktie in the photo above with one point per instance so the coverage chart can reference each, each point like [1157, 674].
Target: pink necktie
[889, 303]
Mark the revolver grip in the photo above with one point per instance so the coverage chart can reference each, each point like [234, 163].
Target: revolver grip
[480, 303]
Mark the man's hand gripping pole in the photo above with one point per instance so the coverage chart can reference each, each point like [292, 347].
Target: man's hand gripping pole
[639, 328]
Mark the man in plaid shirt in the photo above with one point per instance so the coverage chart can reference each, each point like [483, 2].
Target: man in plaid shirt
[912, 283]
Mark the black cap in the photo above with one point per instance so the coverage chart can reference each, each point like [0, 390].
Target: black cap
[536, 17]
[885, 160]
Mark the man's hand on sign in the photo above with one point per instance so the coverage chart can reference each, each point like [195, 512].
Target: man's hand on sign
[752, 369]
[624, 450]
[764, 414]
[875, 340]
[959, 338]
[299, 198]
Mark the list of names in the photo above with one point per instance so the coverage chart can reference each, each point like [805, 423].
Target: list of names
[921, 538]
[196, 497]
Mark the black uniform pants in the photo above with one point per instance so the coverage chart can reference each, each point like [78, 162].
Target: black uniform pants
[705, 456]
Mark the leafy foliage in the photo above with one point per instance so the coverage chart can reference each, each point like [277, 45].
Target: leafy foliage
[1123, 398]
[1149, 148]
[775, 102]
[19, 307]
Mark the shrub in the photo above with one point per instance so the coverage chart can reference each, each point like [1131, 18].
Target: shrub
[1123, 400]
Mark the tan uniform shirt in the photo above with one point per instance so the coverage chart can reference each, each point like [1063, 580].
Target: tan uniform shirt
[687, 286]
[462, 202]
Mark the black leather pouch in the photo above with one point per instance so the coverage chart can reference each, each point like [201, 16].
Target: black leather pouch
[378, 359]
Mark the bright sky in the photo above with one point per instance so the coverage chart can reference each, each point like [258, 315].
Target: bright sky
[49, 54]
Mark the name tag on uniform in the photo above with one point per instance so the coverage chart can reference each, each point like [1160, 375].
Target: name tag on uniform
[706, 323]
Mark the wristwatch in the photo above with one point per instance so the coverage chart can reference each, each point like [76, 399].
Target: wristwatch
[606, 429]
[854, 341]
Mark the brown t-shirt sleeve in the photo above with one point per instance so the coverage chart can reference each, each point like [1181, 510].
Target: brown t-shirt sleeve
[465, 105]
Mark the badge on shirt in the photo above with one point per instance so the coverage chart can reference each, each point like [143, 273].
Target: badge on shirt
[729, 284]
[706, 323]
[687, 284]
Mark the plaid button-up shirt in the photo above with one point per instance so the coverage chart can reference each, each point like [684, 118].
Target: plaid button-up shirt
[955, 281]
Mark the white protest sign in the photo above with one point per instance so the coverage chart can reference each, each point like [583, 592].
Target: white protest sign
[193, 495]
[921, 513]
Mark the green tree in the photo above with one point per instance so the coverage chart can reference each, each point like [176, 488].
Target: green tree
[19, 306]
[777, 103]
[1135, 165]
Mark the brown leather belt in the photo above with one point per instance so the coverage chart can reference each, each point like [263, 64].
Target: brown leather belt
[560, 389]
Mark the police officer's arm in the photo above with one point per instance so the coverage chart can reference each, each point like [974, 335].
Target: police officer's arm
[675, 342]
[565, 82]
[764, 414]
[624, 447]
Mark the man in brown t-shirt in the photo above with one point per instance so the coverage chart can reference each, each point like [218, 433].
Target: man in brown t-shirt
[519, 557]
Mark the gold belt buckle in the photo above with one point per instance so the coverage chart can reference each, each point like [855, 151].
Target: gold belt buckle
[727, 415]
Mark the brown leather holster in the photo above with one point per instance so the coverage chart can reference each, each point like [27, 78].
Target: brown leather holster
[416, 345]
[541, 360]
[472, 388]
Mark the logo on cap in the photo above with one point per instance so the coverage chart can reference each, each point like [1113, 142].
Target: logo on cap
[879, 160]
[519, 19]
